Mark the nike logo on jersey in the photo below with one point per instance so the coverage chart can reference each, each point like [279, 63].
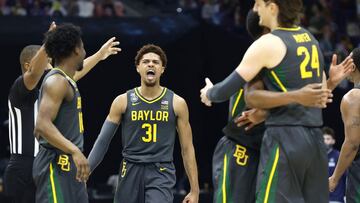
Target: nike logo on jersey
[134, 104]
[162, 168]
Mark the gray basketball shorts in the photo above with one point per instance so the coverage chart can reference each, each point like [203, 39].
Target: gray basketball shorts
[234, 172]
[55, 178]
[145, 183]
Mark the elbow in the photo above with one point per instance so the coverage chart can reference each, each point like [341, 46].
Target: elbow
[39, 128]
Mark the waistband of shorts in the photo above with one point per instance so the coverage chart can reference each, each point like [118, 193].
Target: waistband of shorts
[21, 156]
[147, 163]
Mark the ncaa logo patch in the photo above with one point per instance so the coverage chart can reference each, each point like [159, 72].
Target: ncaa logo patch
[133, 97]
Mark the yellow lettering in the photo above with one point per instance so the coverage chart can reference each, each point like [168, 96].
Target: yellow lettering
[140, 115]
[300, 38]
[158, 115]
[165, 116]
[151, 116]
[146, 113]
[133, 115]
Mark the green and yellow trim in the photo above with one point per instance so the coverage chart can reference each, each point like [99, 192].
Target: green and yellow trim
[65, 74]
[223, 185]
[273, 169]
[150, 101]
[268, 186]
[52, 182]
[288, 28]
[281, 85]
[54, 189]
[236, 102]
[223, 193]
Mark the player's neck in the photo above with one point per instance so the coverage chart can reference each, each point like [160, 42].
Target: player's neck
[69, 71]
[356, 79]
[150, 92]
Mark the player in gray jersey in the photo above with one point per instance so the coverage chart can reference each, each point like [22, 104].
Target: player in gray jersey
[60, 169]
[349, 154]
[280, 154]
[150, 115]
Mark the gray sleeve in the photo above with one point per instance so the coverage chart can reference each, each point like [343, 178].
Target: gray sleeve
[223, 90]
[102, 144]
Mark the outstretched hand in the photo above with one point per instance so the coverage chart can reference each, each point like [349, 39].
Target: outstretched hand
[203, 91]
[338, 72]
[109, 48]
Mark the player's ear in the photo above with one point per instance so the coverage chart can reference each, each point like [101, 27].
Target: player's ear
[274, 8]
[77, 50]
[26, 66]
[162, 69]
[137, 69]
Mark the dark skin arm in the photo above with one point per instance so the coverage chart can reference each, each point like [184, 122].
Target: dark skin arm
[350, 113]
[312, 95]
[36, 67]
[56, 89]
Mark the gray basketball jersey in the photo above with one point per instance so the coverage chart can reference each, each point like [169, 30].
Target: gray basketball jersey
[303, 64]
[149, 128]
[69, 118]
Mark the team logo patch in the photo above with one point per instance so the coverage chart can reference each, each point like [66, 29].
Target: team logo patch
[133, 97]
[63, 162]
[240, 154]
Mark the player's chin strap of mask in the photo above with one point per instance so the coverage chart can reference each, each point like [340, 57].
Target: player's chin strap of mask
[223, 90]
[102, 144]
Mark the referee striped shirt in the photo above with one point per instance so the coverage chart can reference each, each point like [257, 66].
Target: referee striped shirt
[22, 104]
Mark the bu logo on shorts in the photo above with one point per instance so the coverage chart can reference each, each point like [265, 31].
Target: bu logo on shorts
[240, 154]
[63, 162]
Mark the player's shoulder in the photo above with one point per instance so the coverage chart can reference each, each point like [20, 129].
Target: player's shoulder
[267, 44]
[121, 98]
[352, 96]
[269, 38]
[179, 99]
[351, 99]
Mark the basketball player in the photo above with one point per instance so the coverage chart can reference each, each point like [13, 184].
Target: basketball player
[18, 182]
[149, 115]
[292, 59]
[236, 156]
[60, 169]
[349, 154]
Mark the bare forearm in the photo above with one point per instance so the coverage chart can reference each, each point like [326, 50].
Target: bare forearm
[89, 63]
[36, 69]
[264, 99]
[191, 168]
[39, 62]
[347, 155]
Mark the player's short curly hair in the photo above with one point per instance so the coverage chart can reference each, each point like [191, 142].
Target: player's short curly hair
[356, 58]
[290, 11]
[151, 48]
[61, 42]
